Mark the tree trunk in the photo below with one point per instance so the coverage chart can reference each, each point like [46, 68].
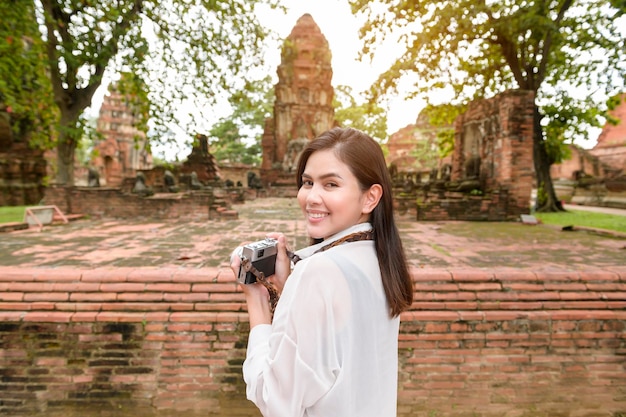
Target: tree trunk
[65, 162]
[547, 200]
[66, 146]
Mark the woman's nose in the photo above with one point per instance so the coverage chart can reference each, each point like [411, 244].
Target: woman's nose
[313, 195]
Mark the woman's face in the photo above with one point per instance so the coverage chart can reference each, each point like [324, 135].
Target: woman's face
[330, 196]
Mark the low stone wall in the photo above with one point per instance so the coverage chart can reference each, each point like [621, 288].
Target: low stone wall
[22, 172]
[151, 342]
[458, 206]
[113, 202]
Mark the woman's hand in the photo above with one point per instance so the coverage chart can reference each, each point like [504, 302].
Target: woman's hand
[257, 297]
[283, 263]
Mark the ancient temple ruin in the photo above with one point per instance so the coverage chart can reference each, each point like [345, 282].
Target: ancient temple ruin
[22, 168]
[303, 106]
[123, 150]
[492, 173]
[611, 146]
[596, 176]
[201, 162]
[402, 146]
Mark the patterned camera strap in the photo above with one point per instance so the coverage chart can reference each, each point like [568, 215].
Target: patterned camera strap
[271, 288]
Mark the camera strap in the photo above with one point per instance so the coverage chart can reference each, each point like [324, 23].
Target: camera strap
[271, 288]
[353, 237]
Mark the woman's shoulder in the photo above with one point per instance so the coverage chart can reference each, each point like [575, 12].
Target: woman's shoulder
[329, 263]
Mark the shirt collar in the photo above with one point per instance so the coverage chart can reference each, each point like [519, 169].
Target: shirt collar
[310, 250]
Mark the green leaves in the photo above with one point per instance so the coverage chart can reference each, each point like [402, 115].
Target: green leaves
[570, 53]
[25, 90]
[178, 52]
[237, 137]
[368, 117]
[480, 48]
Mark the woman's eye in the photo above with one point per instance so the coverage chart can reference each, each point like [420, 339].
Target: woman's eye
[307, 183]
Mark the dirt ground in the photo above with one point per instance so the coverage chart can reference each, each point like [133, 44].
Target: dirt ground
[97, 243]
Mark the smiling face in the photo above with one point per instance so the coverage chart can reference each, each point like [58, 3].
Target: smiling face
[330, 196]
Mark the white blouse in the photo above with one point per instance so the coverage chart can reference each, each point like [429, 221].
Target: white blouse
[332, 349]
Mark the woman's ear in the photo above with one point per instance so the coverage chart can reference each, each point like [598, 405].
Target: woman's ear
[371, 198]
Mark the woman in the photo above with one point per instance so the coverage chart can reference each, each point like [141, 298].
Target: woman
[331, 349]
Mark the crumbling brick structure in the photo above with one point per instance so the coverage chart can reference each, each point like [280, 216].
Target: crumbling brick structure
[22, 168]
[492, 171]
[303, 107]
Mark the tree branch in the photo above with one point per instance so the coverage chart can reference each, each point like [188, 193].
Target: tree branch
[547, 44]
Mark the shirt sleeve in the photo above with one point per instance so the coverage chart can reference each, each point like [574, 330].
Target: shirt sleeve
[292, 363]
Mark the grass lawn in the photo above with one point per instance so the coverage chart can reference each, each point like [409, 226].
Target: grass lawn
[584, 218]
[12, 214]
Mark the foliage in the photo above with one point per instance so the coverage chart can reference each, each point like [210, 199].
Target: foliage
[237, 137]
[442, 116]
[187, 51]
[85, 146]
[365, 116]
[426, 154]
[12, 214]
[569, 53]
[25, 90]
[575, 217]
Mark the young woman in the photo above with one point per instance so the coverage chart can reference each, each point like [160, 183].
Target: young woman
[331, 349]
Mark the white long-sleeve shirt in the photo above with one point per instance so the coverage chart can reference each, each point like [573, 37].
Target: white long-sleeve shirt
[332, 349]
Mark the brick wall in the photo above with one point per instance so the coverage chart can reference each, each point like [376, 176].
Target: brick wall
[146, 342]
[22, 172]
[499, 131]
[113, 202]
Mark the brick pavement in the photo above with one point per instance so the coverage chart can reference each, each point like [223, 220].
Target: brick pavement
[97, 243]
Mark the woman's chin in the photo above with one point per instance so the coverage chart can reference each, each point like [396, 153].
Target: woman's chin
[315, 233]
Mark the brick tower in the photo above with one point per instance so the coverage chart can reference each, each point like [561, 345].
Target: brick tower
[303, 106]
[123, 150]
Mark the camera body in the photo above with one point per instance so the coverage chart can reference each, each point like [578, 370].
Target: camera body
[262, 255]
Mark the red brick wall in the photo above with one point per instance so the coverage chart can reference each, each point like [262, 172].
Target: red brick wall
[501, 129]
[476, 342]
[112, 202]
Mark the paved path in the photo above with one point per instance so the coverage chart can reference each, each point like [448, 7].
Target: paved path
[105, 243]
[606, 210]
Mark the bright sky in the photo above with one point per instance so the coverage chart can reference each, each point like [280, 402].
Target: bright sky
[340, 28]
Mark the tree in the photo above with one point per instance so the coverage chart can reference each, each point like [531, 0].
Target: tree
[186, 51]
[237, 137]
[477, 48]
[365, 116]
[442, 118]
[25, 91]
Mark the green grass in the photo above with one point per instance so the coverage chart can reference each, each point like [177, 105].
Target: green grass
[586, 219]
[12, 214]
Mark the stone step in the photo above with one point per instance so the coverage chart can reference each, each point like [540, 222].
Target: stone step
[215, 289]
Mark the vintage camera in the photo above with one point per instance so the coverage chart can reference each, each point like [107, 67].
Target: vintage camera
[262, 255]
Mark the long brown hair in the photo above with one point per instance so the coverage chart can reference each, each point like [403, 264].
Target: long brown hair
[366, 161]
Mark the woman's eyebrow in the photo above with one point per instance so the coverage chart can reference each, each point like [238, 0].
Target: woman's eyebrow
[323, 176]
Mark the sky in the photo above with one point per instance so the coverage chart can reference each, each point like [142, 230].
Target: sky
[340, 28]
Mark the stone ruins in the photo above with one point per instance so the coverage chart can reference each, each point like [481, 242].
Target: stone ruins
[303, 107]
[402, 144]
[491, 173]
[22, 169]
[611, 146]
[123, 151]
[596, 176]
